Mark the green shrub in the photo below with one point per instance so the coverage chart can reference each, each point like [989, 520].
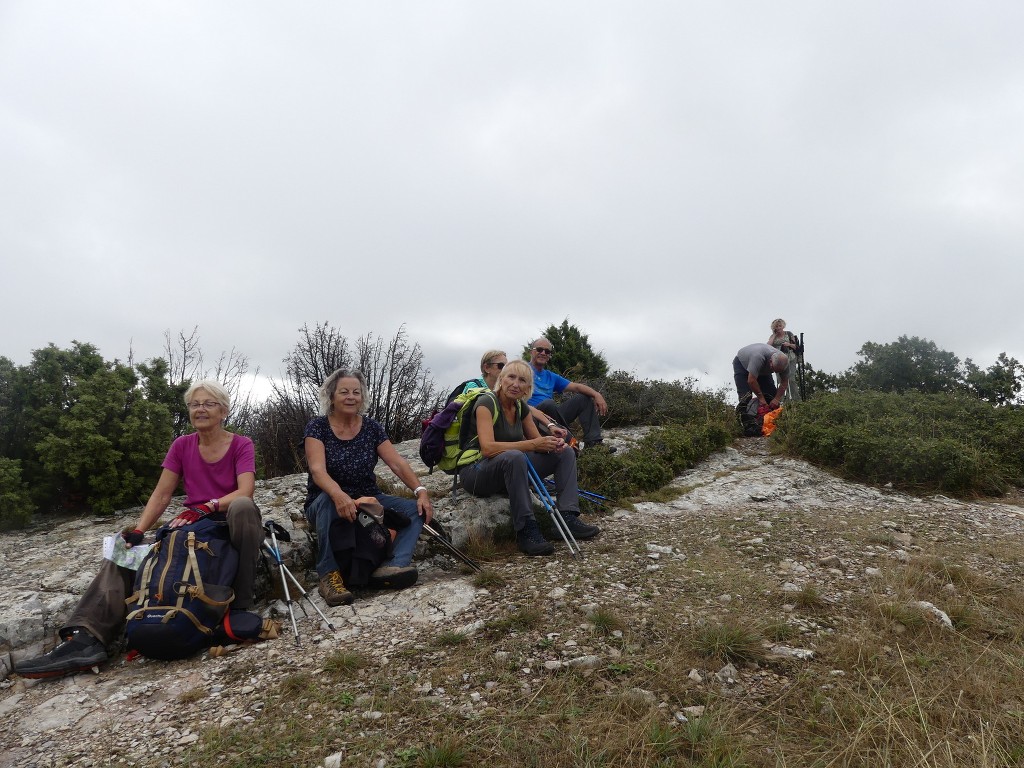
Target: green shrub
[926, 443]
[635, 402]
[662, 455]
[15, 503]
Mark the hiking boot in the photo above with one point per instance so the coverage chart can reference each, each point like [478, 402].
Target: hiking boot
[600, 444]
[532, 542]
[580, 530]
[78, 652]
[332, 589]
[393, 577]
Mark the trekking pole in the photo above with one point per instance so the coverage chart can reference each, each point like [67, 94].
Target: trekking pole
[454, 551]
[595, 498]
[556, 517]
[275, 552]
[800, 369]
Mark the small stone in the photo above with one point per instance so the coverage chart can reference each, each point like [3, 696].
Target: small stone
[695, 676]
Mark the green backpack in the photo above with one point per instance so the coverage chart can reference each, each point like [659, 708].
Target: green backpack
[460, 449]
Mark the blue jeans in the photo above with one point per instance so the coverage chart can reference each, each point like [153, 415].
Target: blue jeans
[322, 513]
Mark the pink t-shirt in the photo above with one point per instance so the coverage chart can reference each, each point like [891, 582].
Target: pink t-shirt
[204, 481]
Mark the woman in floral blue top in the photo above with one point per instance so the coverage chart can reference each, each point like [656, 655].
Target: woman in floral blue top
[342, 449]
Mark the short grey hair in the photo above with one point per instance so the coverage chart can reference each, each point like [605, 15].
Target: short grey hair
[215, 388]
[779, 362]
[327, 389]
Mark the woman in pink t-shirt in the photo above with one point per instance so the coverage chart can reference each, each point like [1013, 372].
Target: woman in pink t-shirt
[218, 471]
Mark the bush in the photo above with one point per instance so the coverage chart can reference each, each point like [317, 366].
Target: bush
[636, 402]
[15, 502]
[955, 444]
[654, 461]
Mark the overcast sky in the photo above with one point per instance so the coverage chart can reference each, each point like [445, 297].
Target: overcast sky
[670, 176]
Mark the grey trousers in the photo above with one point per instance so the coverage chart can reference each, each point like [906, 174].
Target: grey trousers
[579, 406]
[507, 473]
[102, 609]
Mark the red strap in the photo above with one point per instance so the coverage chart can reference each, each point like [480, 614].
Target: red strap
[227, 628]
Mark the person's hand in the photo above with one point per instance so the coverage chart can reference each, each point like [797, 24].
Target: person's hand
[558, 431]
[600, 404]
[547, 444]
[346, 507]
[132, 537]
[189, 515]
[773, 404]
[424, 506]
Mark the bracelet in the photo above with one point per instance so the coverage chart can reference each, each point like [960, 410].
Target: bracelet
[417, 489]
[215, 504]
[552, 424]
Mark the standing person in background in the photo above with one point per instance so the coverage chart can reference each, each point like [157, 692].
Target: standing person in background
[786, 342]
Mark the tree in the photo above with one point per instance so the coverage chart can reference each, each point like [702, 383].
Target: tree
[1001, 384]
[15, 503]
[400, 391]
[573, 358]
[909, 363]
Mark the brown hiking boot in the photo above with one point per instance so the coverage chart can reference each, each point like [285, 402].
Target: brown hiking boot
[332, 590]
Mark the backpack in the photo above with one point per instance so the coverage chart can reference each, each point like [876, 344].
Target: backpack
[479, 383]
[746, 411]
[445, 442]
[182, 590]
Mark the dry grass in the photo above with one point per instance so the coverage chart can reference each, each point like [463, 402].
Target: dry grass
[888, 684]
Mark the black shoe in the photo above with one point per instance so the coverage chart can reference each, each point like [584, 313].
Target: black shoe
[392, 577]
[600, 444]
[76, 654]
[532, 542]
[580, 530]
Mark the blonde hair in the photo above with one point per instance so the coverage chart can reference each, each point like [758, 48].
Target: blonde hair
[486, 358]
[523, 369]
[780, 322]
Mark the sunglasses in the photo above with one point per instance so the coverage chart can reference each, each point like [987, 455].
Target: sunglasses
[544, 350]
[498, 365]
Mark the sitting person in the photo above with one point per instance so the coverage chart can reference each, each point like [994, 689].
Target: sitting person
[752, 370]
[507, 444]
[585, 404]
[218, 471]
[342, 449]
[787, 342]
[491, 363]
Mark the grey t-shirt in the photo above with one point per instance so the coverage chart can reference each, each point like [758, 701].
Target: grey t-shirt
[504, 432]
[756, 359]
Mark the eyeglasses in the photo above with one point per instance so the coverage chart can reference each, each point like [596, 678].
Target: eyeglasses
[207, 404]
[499, 366]
[544, 350]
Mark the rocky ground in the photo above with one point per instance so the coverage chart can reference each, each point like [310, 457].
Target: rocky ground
[744, 521]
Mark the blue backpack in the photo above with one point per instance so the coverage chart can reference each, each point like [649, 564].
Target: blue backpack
[182, 590]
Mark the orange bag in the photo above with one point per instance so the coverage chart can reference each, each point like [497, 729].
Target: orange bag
[769, 421]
